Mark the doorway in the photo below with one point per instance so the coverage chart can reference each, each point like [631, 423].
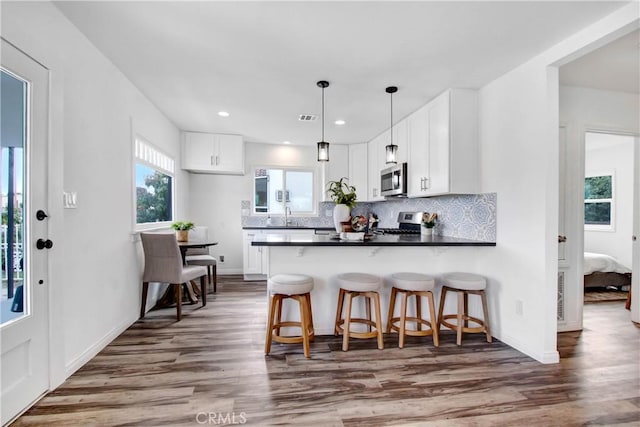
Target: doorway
[24, 325]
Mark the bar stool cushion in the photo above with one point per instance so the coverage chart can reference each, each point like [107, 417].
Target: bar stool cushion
[290, 284]
[359, 282]
[465, 281]
[413, 282]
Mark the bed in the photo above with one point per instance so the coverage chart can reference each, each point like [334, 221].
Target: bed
[603, 270]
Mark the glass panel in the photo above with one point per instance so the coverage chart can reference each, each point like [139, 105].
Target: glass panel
[154, 192]
[598, 213]
[300, 191]
[598, 187]
[276, 188]
[12, 181]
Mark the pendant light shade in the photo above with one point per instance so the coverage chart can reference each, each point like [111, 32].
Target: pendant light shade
[323, 146]
[391, 149]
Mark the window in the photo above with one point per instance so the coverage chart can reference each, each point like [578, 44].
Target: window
[275, 189]
[598, 202]
[154, 187]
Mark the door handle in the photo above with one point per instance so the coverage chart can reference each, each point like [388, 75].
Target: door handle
[42, 244]
[41, 215]
[562, 239]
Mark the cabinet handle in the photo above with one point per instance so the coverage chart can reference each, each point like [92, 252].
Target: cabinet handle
[217, 160]
[426, 183]
[211, 161]
[422, 184]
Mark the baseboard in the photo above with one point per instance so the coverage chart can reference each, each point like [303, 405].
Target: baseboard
[91, 352]
[546, 357]
[228, 271]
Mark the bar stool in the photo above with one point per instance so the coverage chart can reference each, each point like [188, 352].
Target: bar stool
[290, 286]
[464, 284]
[353, 285]
[417, 285]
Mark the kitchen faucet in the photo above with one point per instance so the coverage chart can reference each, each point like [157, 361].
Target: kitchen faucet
[287, 212]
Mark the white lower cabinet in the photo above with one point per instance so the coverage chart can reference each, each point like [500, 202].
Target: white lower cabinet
[255, 259]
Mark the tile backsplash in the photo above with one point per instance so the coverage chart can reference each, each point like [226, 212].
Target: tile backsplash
[468, 216]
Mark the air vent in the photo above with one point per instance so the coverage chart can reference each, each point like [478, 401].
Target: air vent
[561, 311]
[307, 117]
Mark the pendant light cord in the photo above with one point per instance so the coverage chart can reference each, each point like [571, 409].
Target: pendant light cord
[323, 114]
[391, 128]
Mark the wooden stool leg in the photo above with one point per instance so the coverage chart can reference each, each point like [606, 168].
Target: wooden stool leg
[279, 303]
[347, 322]
[178, 296]
[443, 295]
[310, 313]
[432, 314]
[460, 325]
[403, 318]
[367, 307]
[143, 304]
[392, 304]
[272, 314]
[339, 311]
[485, 309]
[376, 300]
[304, 324]
[466, 309]
[418, 311]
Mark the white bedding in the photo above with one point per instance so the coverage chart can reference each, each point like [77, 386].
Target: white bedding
[604, 263]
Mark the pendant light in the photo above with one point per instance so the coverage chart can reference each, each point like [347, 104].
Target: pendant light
[391, 149]
[323, 147]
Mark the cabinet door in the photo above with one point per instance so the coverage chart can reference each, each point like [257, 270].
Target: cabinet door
[229, 154]
[252, 255]
[375, 160]
[418, 167]
[439, 142]
[198, 153]
[358, 173]
[401, 139]
[336, 168]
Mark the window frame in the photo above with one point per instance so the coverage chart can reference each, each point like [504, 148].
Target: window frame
[601, 227]
[314, 193]
[146, 153]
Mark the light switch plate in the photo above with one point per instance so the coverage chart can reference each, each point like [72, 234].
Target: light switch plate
[70, 199]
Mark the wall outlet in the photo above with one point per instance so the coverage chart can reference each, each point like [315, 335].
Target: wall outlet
[221, 258]
[519, 307]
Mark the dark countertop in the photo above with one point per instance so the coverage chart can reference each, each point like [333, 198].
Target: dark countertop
[378, 240]
[282, 227]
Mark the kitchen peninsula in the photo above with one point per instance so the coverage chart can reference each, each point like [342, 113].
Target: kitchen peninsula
[323, 257]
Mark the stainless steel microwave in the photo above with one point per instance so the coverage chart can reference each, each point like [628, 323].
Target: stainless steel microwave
[393, 180]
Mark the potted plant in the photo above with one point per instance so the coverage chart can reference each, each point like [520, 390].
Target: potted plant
[344, 196]
[182, 230]
[428, 222]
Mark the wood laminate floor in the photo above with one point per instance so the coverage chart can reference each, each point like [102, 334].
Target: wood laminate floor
[209, 369]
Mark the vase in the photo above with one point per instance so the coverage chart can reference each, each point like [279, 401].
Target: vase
[182, 235]
[340, 214]
[426, 231]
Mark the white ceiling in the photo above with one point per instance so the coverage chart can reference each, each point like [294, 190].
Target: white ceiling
[260, 61]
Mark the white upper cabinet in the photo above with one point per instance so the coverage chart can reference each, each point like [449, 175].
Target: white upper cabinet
[443, 148]
[358, 174]
[375, 163]
[401, 139]
[213, 153]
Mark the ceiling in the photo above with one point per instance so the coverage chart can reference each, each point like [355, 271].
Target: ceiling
[260, 61]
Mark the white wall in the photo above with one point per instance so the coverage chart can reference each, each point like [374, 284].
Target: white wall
[95, 266]
[617, 159]
[519, 160]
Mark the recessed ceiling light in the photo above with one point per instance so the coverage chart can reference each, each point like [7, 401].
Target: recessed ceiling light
[223, 114]
[286, 142]
[340, 122]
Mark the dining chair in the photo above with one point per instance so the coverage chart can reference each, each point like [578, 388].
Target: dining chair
[201, 256]
[163, 263]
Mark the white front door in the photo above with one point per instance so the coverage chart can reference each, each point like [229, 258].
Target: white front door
[24, 346]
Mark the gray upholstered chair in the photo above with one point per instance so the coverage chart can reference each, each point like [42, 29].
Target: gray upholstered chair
[201, 256]
[163, 263]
